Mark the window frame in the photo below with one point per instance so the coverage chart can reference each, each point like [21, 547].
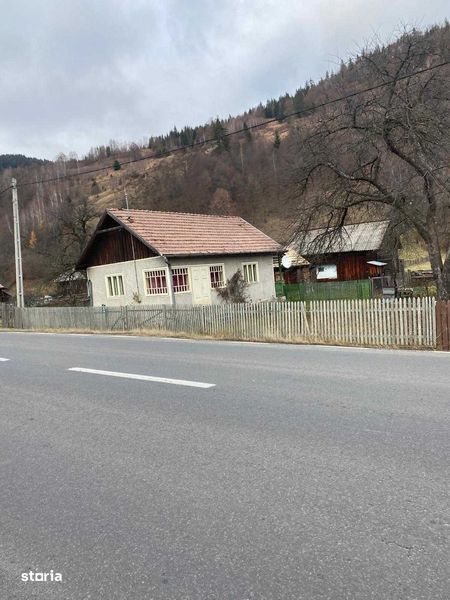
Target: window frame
[224, 281]
[119, 287]
[188, 273]
[327, 266]
[146, 289]
[248, 264]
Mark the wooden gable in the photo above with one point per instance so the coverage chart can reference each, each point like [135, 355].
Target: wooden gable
[113, 243]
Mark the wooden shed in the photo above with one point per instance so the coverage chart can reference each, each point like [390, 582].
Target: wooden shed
[356, 251]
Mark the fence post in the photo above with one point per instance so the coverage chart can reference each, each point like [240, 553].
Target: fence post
[443, 325]
[203, 320]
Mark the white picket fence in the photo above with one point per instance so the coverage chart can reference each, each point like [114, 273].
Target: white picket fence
[403, 322]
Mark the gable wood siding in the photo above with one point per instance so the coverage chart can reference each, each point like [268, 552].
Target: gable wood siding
[115, 246]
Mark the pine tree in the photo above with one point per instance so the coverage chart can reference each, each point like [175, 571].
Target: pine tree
[277, 140]
[223, 143]
[268, 110]
[299, 101]
[278, 112]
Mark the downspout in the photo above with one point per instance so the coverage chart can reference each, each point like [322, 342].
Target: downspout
[280, 272]
[169, 281]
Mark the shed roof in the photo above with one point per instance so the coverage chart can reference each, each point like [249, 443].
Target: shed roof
[71, 275]
[358, 237]
[4, 290]
[183, 234]
[296, 259]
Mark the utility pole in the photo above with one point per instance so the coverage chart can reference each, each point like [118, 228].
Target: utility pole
[17, 247]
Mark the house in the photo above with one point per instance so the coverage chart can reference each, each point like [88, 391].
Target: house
[357, 251]
[153, 257]
[5, 296]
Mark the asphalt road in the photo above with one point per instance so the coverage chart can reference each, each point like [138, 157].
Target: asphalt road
[304, 473]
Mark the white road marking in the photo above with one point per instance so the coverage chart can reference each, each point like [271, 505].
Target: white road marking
[4, 359]
[197, 384]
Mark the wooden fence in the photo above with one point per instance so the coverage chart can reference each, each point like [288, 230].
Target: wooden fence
[443, 325]
[403, 322]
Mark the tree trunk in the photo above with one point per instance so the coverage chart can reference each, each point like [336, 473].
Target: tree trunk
[446, 272]
[434, 252]
[241, 153]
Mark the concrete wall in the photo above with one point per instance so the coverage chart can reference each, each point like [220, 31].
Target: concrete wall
[133, 279]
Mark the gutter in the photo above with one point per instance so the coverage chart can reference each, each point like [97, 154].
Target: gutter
[170, 280]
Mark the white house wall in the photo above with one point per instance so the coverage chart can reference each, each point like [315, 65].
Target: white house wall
[134, 286]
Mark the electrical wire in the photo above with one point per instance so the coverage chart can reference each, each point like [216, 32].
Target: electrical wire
[6, 190]
[237, 131]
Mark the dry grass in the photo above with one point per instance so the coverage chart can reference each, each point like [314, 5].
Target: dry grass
[222, 336]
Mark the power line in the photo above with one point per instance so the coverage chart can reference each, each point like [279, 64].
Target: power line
[238, 131]
[333, 101]
[6, 189]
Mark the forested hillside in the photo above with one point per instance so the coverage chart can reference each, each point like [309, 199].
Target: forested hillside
[12, 161]
[254, 174]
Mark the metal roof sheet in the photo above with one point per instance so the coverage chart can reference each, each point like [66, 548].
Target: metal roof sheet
[358, 237]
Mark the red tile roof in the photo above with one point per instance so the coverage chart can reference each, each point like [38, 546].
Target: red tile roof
[182, 234]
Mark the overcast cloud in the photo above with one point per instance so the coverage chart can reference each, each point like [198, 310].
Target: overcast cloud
[77, 73]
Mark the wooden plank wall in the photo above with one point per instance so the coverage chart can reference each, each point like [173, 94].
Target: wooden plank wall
[403, 322]
[116, 246]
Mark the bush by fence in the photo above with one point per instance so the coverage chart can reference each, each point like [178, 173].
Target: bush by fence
[405, 322]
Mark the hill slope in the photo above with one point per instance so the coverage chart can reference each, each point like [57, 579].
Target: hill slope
[251, 174]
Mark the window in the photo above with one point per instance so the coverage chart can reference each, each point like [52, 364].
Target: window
[180, 278]
[114, 285]
[155, 282]
[216, 276]
[250, 272]
[326, 272]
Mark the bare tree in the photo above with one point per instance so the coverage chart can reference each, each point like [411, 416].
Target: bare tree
[389, 147]
[72, 225]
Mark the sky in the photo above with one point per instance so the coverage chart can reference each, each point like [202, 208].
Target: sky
[77, 73]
